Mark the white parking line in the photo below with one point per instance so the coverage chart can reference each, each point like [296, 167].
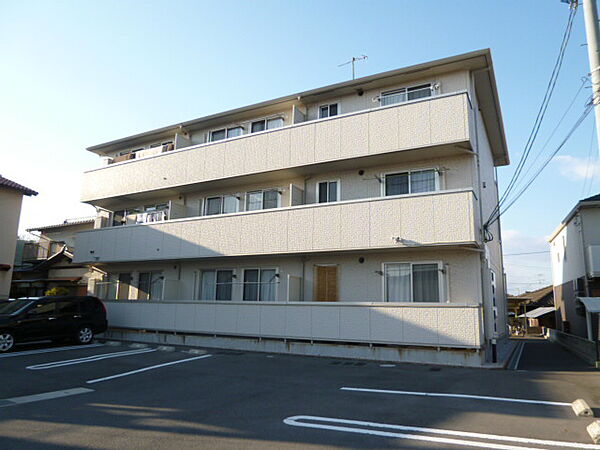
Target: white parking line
[473, 397]
[88, 359]
[49, 350]
[45, 396]
[145, 369]
[296, 421]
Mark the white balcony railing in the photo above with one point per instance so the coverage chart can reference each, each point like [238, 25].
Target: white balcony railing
[424, 122]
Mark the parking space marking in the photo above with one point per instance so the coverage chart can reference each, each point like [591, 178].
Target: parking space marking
[49, 350]
[45, 396]
[89, 359]
[297, 422]
[468, 396]
[145, 369]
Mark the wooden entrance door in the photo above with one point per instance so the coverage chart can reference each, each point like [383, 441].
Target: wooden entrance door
[326, 284]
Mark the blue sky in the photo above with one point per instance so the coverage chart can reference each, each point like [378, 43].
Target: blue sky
[75, 74]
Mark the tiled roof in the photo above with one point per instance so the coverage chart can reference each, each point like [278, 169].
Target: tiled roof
[66, 223]
[533, 296]
[5, 182]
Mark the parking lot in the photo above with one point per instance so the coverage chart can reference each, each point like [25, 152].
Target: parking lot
[103, 396]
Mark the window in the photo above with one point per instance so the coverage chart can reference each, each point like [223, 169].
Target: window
[405, 94]
[266, 199]
[327, 191]
[410, 182]
[120, 217]
[266, 124]
[221, 205]
[260, 285]
[328, 110]
[150, 286]
[216, 285]
[67, 307]
[43, 309]
[224, 133]
[406, 282]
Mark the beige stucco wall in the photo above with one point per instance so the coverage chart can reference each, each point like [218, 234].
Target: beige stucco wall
[10, 205]
[427, 122]
[65, 234]
[417, 219]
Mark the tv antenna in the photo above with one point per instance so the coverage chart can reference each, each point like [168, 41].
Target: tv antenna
[352, 61]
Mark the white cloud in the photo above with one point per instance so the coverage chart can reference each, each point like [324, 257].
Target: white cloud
[575, 168]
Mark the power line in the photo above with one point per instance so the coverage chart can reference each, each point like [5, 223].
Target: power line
[540, 115]
[526, 253]
[589, 163]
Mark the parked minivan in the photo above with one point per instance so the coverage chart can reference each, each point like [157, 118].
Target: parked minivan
[54, 318]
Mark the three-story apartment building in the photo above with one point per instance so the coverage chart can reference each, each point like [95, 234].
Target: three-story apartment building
[349, 214]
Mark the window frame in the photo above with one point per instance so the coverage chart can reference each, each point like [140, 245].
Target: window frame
[151, 281]
[409, 172]
[265, 120]
[214, 290]
[328, 105]
[441, 277]
[405, 89]
[260, 269]
[204, 204]
[226, 129]
[338, 190]
[262, 200]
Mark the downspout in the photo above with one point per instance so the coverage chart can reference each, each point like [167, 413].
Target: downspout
[475, 103]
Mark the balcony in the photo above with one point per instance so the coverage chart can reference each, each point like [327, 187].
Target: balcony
[442, 217]
[430, 325]
[41, 250]
[427, 122]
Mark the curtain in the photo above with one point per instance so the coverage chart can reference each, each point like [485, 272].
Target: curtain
[396, 184]
[268, 284]
[422, 181]
[274, 123]
[397, 282]
[207, 285]
[156, 286]
[425, 283]
[224, 284]
[213, 206]
[333, 191]
[253, 201]
[230, 204]
[270, 199]
[390, 98]
[251, 285]
[419, 92]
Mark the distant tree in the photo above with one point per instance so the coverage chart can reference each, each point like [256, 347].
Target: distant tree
[56, 291]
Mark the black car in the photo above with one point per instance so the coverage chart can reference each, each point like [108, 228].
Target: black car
[54, 318]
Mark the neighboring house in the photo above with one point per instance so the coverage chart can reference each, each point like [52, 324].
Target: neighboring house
[349, 213]
[11, 197]
[575, 253]
[533, 310]
[48, 261]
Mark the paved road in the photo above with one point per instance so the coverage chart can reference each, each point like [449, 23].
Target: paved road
[250, 400]
[542, 355]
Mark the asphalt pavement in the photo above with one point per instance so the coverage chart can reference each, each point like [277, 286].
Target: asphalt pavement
[120, 397]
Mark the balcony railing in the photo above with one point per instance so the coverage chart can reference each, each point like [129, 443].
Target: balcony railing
[443, 217]
[423, 122]
[432, 325]
[40, 250]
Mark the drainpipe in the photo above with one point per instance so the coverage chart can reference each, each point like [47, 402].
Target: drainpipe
[475, 103]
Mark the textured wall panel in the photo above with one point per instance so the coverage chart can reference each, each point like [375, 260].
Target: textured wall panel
[429, 122]
[272, 320]
[354, 323]
[248, 320]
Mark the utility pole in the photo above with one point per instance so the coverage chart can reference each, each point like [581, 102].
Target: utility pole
[590, 13]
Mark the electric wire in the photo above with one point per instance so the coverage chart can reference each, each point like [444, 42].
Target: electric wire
[540, 115]
[589, 108]
[589, 163]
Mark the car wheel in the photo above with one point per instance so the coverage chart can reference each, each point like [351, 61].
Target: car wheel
[7, 342]
[85, 335]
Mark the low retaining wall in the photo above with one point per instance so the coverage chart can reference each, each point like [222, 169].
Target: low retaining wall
[583, 348]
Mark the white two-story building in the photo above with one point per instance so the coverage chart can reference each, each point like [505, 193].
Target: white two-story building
[345, 220]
